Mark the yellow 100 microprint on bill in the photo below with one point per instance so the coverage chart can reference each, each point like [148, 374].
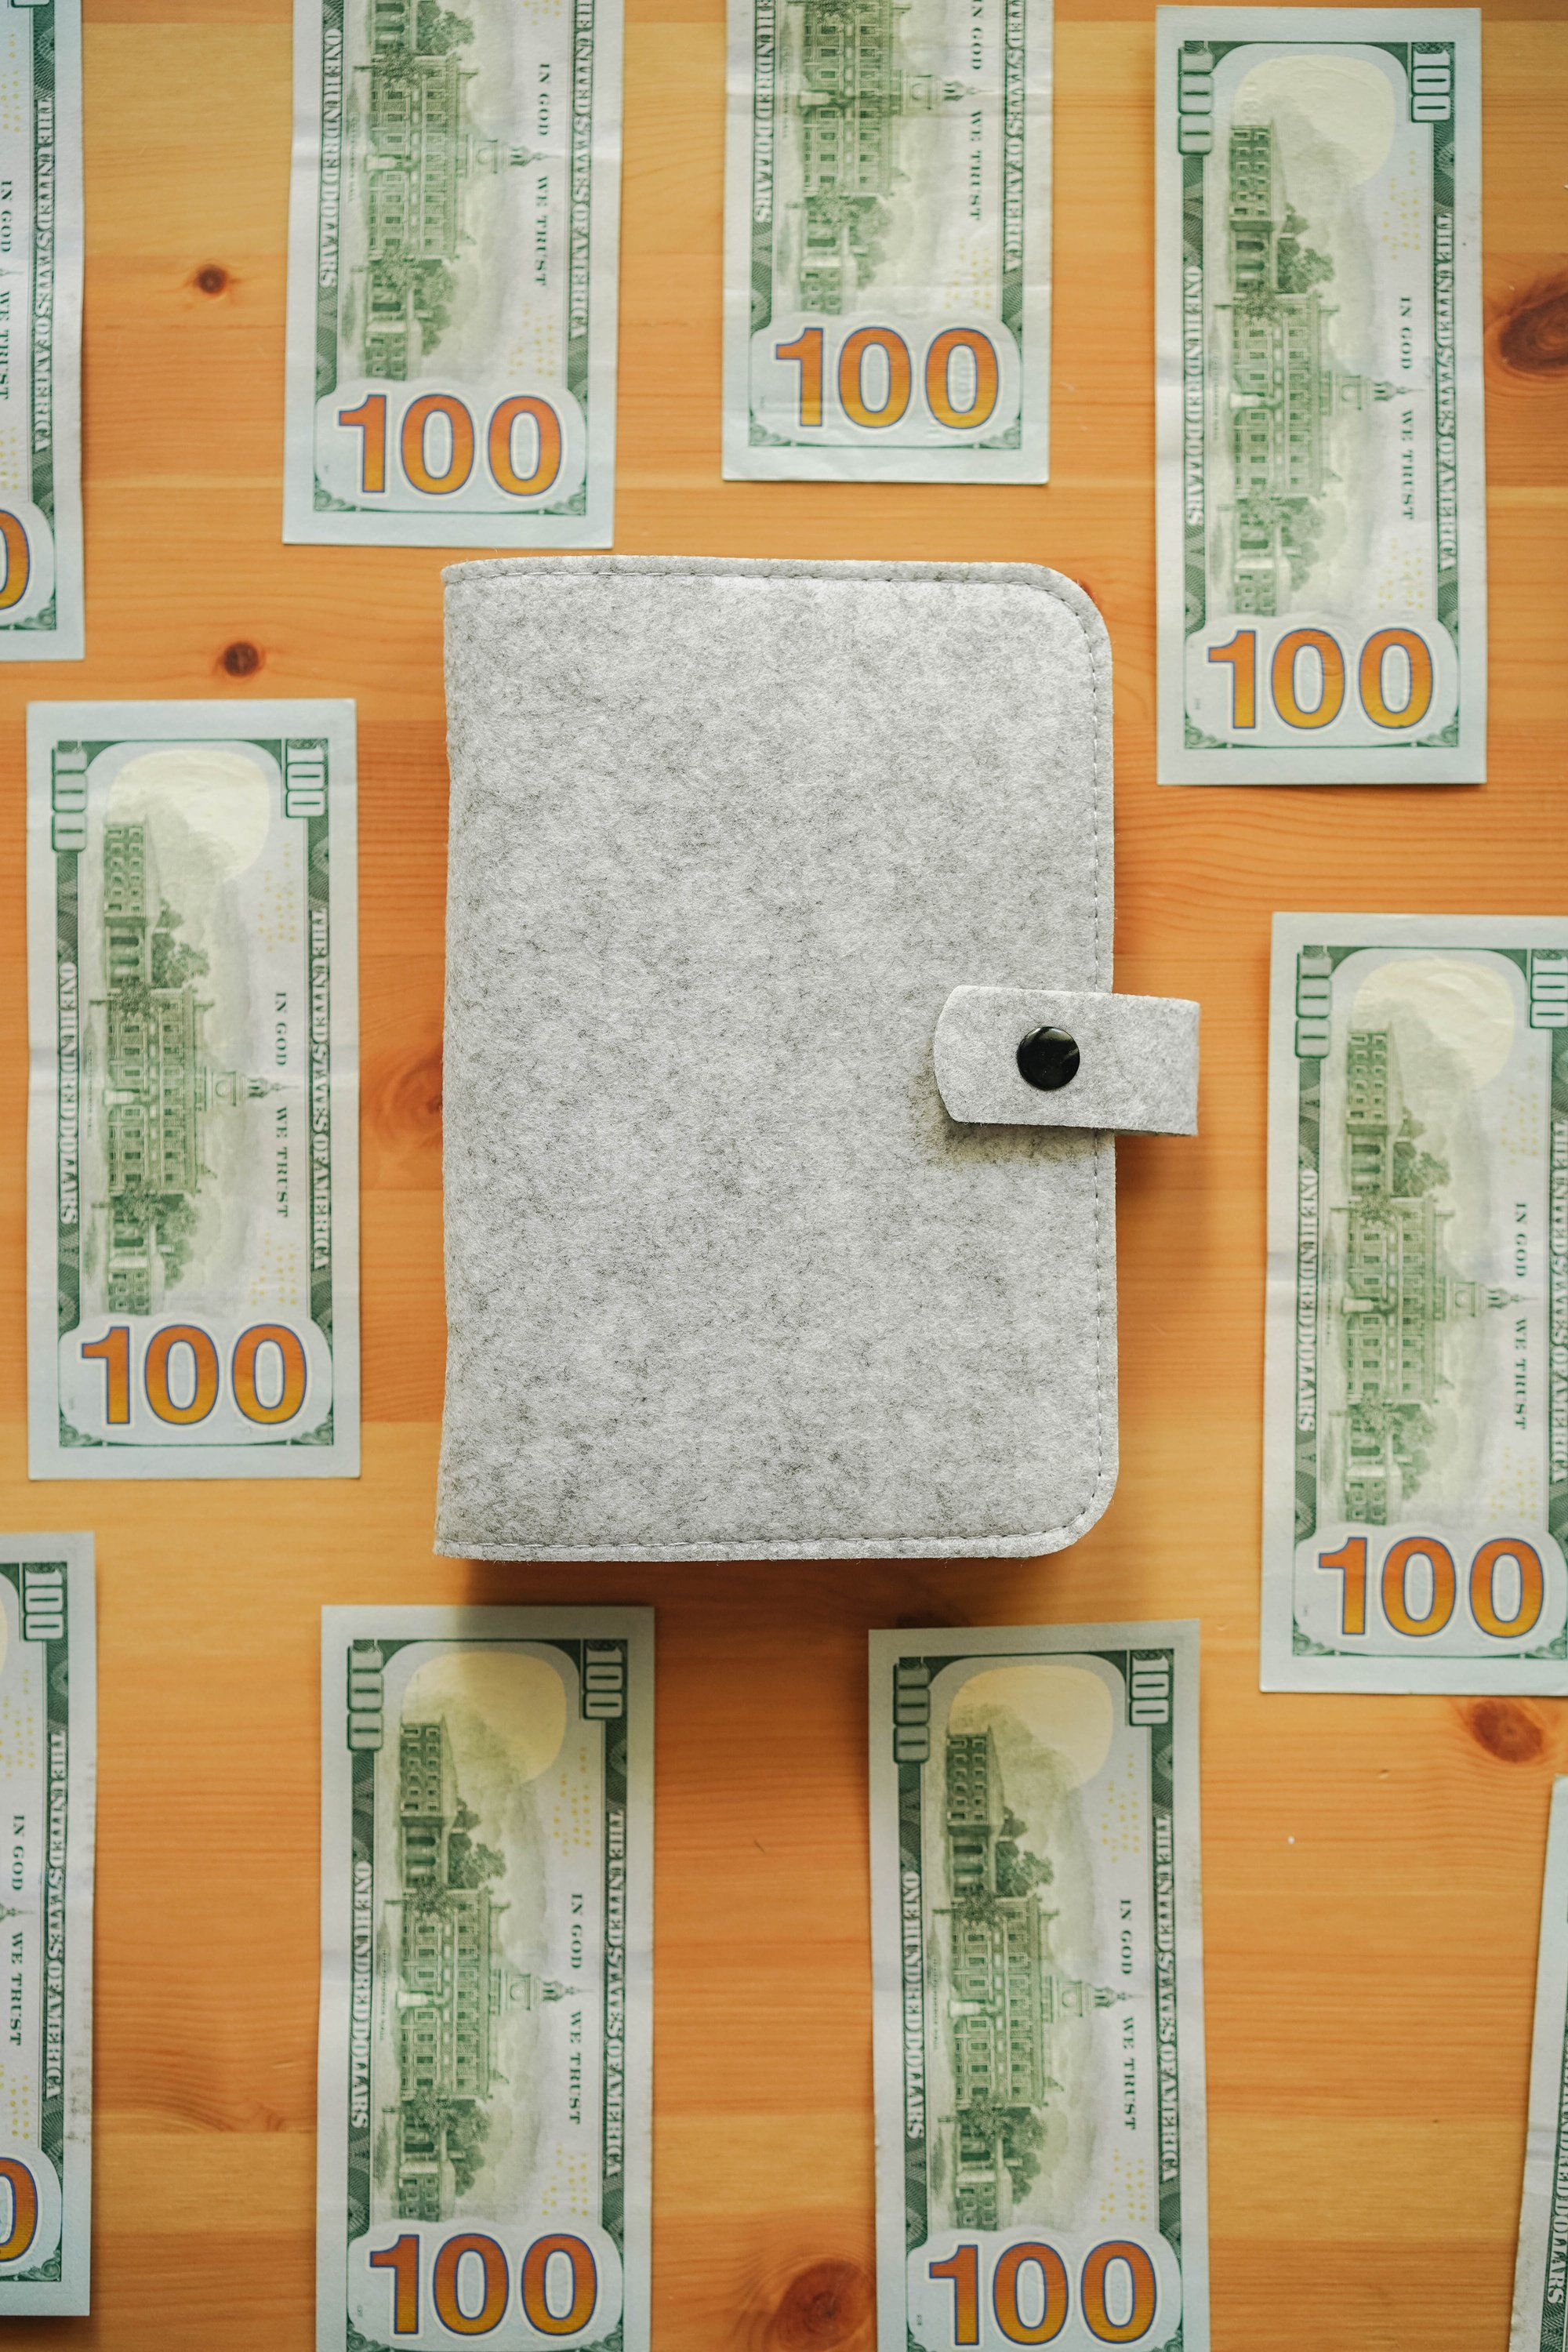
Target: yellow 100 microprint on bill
[192, 1215]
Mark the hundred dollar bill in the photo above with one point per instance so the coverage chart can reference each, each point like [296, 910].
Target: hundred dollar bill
[1321, 481]
[193, 1187]
[1540, 2276]
[49, 1744]
[453, 226]
[1415, 1454]
[486, 1858]
[888, 228]
[1037, 1958]
[40, 332]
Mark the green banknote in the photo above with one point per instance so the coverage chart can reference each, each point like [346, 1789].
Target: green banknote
[1037, 1965]
[48, 1749]
[887, 241]
[1322, 477]
[40, 332]
[193, 1187]
[1540, 2276]
[487, 1919]
[453, 251]
[1416, 1456]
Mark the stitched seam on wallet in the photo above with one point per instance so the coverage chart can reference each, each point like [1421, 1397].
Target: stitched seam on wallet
[1099, 1149]
[1066, 1531]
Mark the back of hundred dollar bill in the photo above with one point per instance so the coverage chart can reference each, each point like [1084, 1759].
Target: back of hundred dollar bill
[1321, 484]
[453, 250]
[1416, 1407]
[1038, 1988]
[887, 241]
[487, 1905]
[1541, 2274]
[40, 332]
[193, 1189]
[48, 1757]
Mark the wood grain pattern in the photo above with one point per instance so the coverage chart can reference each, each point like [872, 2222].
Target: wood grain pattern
[1373, 1866]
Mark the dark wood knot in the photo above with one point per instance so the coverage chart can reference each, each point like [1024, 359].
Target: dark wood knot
[242, 659]
[210, 279]
[1507, 1728]
[1533, 338]
[407, 1101]
[824, 2308]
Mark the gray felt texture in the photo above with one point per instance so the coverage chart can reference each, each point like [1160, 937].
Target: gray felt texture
[1137, 1067]
[723, 1279]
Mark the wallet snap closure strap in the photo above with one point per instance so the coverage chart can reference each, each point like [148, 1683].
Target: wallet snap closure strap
[1052, 1057]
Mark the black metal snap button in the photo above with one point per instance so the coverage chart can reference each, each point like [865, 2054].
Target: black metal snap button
[1047, 1059]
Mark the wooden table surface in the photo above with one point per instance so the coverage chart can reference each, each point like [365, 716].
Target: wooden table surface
[1371, 1866]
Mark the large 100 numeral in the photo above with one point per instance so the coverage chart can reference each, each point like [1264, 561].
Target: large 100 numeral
[1050, 2292]
[470, 2283]
[1481, 1591]
[22, 2191]
[413, 450]
[1371, 677]
[808, 352]
[18, 557]
[189, 1345]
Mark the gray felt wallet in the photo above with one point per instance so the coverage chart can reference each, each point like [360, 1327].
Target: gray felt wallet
[759, 1243]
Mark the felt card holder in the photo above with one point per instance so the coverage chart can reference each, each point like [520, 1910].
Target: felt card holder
[782, 1068]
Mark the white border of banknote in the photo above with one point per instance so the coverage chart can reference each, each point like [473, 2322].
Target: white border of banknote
[311, 514]
[891, 2025]
[49, 724]
[751, 453]
[340, 1628]
[1290, 1659]
[70, 1908]
[1540, 2303]
[1458, 755]
[57, 181]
